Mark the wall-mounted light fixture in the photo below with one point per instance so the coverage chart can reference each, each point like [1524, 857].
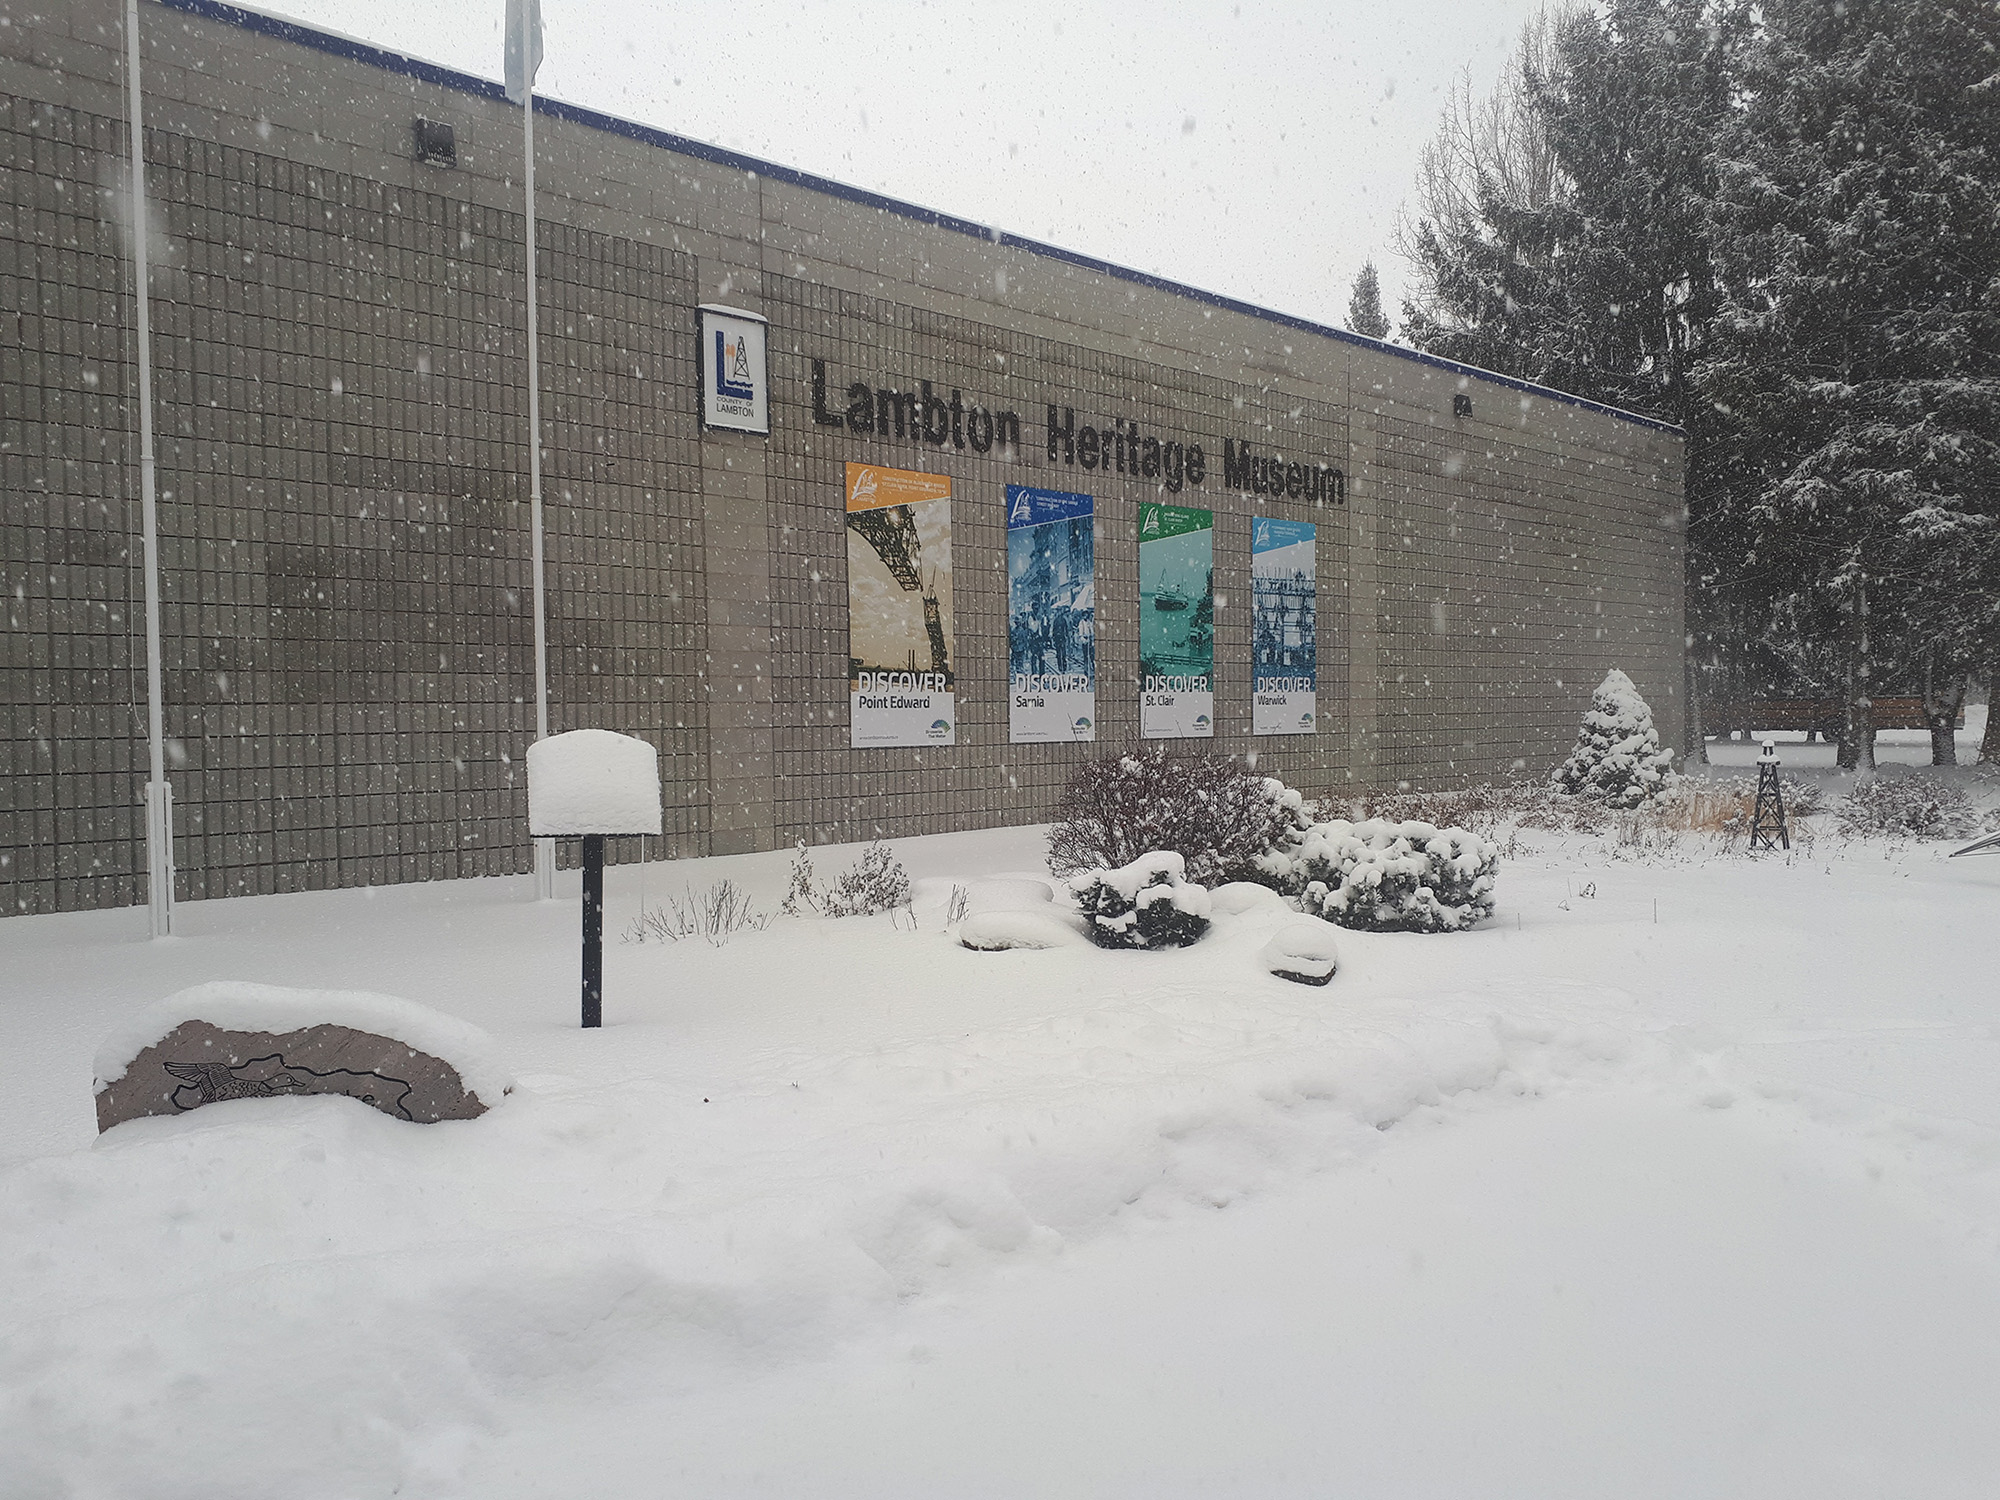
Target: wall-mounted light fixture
[1461, 405]
[437, 145]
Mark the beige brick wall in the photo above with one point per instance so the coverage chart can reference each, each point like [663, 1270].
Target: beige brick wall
[340, 368]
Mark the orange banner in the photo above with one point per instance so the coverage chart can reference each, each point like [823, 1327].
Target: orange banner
[870, 487]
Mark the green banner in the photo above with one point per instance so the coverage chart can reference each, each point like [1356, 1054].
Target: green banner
[1159, 521]
[1176, 622]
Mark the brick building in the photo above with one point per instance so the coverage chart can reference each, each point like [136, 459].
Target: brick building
[340, 372]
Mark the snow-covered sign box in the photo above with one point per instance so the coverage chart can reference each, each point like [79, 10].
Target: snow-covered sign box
[218, 1042]
[592, 781]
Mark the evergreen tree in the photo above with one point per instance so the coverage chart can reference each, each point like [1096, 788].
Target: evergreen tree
[1618, 755]
[1857, 349]
[1604, 284]
[1364, 304]
[1633, 104]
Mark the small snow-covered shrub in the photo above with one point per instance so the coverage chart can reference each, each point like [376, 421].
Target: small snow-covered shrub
[1379, 876]
[803, 895]
[1216, 813]
[1148, 903]
[878, 884]
[1618, 755]
[1909, 807]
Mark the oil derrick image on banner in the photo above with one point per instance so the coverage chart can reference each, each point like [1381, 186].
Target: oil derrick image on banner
[901, 681]
[1284, 635]
[1051, 616]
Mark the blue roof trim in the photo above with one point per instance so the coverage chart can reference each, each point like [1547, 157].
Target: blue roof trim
[486, 88]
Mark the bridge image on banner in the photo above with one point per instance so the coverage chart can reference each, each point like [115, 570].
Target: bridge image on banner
[901, 677]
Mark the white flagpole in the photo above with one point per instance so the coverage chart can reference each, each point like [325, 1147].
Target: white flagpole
[545, 849]
[524, 57]
[159, 799]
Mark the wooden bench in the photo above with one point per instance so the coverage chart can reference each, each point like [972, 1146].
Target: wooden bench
[1816, 716]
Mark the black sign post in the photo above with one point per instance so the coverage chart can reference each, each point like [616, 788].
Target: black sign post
[593, 930]
[592, 784]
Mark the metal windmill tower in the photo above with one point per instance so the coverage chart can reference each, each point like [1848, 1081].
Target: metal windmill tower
[1767, 820]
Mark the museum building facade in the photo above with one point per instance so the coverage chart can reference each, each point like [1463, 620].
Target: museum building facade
[872, 520]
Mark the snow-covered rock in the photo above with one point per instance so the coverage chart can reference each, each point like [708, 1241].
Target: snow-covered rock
[1008, 894]
[225, 1041]
[1240, 897]
[1304, 952]
[592, 781]
[996, 931]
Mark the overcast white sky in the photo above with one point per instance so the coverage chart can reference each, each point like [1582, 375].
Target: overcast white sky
[1256, 149]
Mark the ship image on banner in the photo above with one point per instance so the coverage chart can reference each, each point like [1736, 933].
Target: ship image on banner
[1176, 623]
[1284, 633]
[901, 673]
[1051, 616]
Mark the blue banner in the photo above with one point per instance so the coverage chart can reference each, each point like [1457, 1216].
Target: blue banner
[1033, 507]
[1051, 615]
[1284, 635]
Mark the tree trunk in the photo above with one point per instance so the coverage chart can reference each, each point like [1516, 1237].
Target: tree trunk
[1943, 698]
[1857, 719]
[1694, 741]
[1989, 742]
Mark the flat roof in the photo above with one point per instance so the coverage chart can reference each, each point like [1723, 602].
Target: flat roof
[485, 88]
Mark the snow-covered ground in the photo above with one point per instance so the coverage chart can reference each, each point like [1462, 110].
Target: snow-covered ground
[1680, 1177]
[1893, 747]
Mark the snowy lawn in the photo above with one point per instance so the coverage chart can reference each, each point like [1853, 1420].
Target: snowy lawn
[1679, 1177]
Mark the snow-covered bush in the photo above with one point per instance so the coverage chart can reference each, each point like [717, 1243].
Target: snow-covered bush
[1379, 876]
[1908, 807]
[1216, 813]
[878, 884]
[1148, 903]
[803, 894]
[1618, 755]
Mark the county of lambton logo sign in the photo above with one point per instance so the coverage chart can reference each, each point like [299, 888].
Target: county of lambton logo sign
[735, 390]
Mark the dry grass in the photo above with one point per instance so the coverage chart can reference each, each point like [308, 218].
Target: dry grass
[1705, 807]
[1714, 815]
[1486, 810]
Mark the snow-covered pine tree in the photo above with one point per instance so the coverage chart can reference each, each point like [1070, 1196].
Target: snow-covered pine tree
[1364, 304]
[1564, 236]
[1858, 347]
[1632, 100]
[1618, 755]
